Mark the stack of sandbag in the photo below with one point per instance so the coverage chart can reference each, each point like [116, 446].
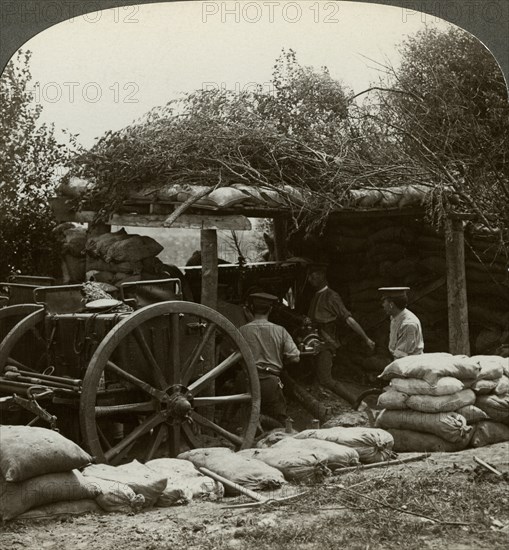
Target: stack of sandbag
[304, 459]
[371, 444]
[122, 257]
[125, 488]
[367, 254]
[492, 397]
[72, 238]
[38, 467]
[235, 467]
[184, 482]
[428, 403]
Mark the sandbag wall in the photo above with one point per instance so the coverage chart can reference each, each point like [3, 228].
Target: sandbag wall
[121, 257]
[367, 253]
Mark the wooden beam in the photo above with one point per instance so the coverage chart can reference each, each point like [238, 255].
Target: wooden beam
[459, 342]
[280, 238]
[207, 221]
[186, 221]
[209, 274]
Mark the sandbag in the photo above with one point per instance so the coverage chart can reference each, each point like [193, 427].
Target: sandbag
[63, 508]
[441, 403]
[495, 406]
[142, 480]
[491, 366]
[415, 386]
[72, 237]
[240, 469]
[485, 386]
[27, 452]
[488, 432]
[272, 438]
[184, 482]
[431, 367]
[18, 497]
[133, 249]
[409, 441]
[472, 414]
[300, 460]
[73, 269]
[392, 399]
[372, 445]
[96, 264]
[97, 247]
[502, 387]
[116, 496]
[450, 426]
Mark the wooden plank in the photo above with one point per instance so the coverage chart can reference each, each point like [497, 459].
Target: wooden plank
[280, 238]
[186, 221]
[207, 221]
[209, 268]
[456, 287]
[209, 279]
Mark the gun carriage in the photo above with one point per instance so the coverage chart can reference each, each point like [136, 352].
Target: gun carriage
[140, 377]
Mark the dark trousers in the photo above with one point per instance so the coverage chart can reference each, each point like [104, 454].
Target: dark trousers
[323, 365]
[273, 401]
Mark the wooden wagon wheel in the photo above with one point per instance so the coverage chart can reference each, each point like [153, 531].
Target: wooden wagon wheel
[22, 341]
[149, 381]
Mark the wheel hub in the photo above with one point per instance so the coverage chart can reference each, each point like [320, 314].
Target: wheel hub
[178, 404]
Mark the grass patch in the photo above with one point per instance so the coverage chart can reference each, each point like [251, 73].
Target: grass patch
[354, 512]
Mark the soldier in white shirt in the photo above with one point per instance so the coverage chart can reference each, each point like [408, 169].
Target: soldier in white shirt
[406, 332]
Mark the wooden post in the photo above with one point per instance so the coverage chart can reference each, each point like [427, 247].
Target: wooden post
[209, 278]
[209, 274]
[459, 342]
[280, 238]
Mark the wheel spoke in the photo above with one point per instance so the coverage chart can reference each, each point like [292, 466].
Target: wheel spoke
[175, 348]
[188, 370]
[222, 399]
[174, 439]
[191, 437]
[207, 378]
[159, 438]
[206, 423]
[102, 437]
[105, 410]
[149, 356]
[158, 394]
[130, 439]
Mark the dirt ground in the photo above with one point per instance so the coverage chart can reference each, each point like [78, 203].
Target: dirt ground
[322, 518]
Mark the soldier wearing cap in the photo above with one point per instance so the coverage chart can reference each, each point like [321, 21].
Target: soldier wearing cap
[406, 332]
[272, 347]
[325, 310]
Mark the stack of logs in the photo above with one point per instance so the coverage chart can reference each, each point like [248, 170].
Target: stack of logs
[365, 255]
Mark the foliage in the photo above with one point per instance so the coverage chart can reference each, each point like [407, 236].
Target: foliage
[298, 135]
[440, 120]
[29, 158]
[446, 108]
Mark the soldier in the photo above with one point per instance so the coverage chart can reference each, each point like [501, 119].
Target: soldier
[272, 347]
[325, 311]
[406, 333]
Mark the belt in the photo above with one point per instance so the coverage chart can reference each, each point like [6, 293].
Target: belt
[268, 370]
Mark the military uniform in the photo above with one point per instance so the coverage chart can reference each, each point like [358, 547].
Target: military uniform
[325, 310]
[271, 346]
[405, 336]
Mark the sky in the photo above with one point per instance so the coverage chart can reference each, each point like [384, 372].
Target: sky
[101, 71]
